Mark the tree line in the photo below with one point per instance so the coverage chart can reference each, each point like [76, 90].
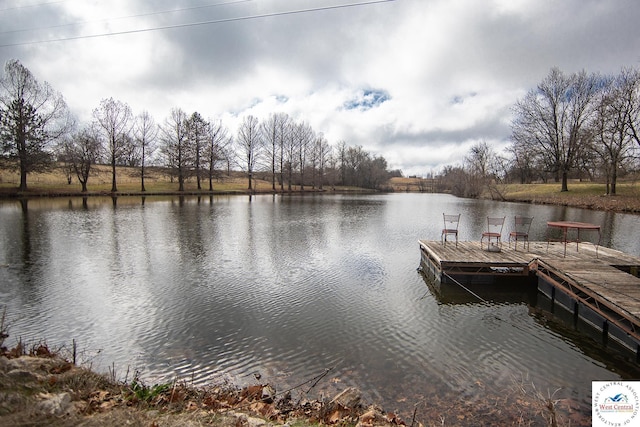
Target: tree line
[38, 131]
[576, 125]
[570, 125]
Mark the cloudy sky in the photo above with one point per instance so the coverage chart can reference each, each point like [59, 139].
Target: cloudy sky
[415, 81]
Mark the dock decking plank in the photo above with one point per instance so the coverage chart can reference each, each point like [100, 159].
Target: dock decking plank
[610, 284]
[598, 275]
[591, 269]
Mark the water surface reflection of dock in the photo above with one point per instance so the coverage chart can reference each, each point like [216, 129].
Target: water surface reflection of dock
[597, 285]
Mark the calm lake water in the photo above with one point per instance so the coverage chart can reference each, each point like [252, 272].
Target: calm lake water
[219, 288]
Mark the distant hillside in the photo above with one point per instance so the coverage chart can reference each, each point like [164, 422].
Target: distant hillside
[417, 185]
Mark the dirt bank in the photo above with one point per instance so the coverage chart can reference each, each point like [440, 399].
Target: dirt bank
[625, 204]
[43, 389]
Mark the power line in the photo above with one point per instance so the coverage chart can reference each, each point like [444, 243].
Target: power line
[195, 24]
[32, 5]
[140, 15]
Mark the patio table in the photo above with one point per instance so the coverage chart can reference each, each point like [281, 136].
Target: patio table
[565, 226]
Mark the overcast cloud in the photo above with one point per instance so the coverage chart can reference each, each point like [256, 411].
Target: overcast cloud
[416, 81]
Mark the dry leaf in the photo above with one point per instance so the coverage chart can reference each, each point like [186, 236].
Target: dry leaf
[334, 417]
[105, 406]
[368, 418]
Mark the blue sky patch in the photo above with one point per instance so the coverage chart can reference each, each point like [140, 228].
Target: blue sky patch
[367, 99]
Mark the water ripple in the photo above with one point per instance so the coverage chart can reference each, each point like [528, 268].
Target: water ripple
[223, 288]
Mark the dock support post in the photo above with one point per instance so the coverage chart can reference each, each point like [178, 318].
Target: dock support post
[605, 332]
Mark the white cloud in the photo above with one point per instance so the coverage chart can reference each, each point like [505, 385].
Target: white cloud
[449, 69]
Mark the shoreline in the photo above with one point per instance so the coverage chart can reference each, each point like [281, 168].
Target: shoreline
[618, 203]
[39, 387]
[38, 194]
[604, 203]
[42, 388]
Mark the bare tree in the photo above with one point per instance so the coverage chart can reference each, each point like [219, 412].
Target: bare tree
[485, 169]
[130, 153]
[198, 131]
[229, 154]
[454, 179]
[217, 147]
[284, 141]
[146, 133]
[115, 120]
[342, 160]
[631, 95]
[355, 160]
[313, 156]
[332, 162]
[323, 150]
[249, 144]
[523, 160]
[32, 117]
[303, 137]
[81, 151]
[175, 145]
[376, 173]
[554, 119]
[476, 164]
[613, 135]
[273, 134]
[289, 154]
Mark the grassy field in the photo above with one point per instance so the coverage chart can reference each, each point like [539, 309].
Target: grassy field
[588, 195]
[402, 184]
[576, 189]
[128, 181]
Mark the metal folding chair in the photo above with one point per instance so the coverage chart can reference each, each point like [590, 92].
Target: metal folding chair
[494, 231]
[451, 223]
[520, 231]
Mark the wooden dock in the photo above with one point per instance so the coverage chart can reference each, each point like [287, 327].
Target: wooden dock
[597, 284]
